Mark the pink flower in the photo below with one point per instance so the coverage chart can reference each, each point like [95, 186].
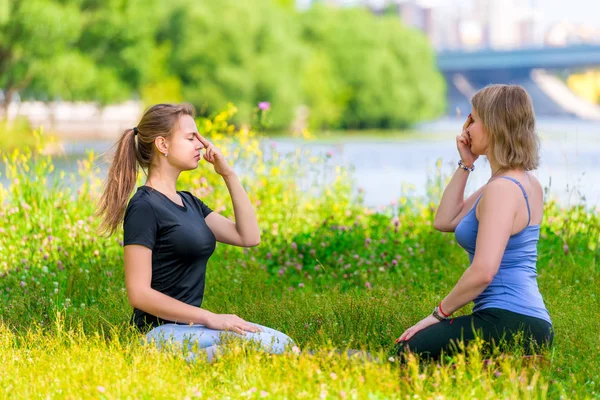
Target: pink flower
[368, 285]
[264, 105]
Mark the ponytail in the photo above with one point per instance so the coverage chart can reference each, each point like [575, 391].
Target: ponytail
[119, 184]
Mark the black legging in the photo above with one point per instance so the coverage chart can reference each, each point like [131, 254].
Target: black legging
[494, 325]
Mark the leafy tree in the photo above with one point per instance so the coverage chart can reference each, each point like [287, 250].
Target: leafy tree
[386, 72]
[236, 51]
[35, 36]
[75, 50]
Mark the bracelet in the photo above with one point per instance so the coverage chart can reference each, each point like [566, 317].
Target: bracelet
[442, 311]
[463, 166]
[436, 314]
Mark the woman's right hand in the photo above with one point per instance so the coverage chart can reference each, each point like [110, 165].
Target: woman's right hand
[463, 144]
[231, 322]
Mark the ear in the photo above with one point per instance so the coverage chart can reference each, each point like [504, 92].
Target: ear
[161, 144]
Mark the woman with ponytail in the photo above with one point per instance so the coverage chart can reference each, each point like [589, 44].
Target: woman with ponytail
[169, 235]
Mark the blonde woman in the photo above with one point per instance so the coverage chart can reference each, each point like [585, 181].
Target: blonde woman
[498, 226]
[169, 235]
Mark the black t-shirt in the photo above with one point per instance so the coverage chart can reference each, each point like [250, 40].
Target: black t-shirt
[180, 241]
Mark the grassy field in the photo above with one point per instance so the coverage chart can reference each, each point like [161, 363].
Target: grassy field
[329, 272]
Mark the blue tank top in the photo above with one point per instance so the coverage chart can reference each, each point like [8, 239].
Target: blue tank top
[514, 288]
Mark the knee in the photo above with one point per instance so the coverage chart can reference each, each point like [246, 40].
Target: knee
[276, 342]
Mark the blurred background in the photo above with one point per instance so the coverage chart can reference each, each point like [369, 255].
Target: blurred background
[383, 85]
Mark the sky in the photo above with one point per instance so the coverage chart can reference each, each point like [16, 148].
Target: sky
[576, 11]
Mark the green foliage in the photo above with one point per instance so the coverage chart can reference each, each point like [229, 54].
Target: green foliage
[383, 74]
[338, 68]
[244, 52]
[77, 50]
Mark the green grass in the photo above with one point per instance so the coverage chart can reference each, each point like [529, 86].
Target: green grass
[329, 273]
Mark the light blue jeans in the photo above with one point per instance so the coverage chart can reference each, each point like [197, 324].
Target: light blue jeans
[198, 339]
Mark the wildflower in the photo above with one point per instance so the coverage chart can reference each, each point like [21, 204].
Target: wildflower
[368, 285]
[264, 105]
[566, 249]
[22, 284]
[294, 245]
[394, 262]
[301, 285]
[101, 389]
[263, 393]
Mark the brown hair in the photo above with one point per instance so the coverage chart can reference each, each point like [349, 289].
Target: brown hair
[506, 112]
[158, 120]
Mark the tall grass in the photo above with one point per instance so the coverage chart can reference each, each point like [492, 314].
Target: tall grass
[330, 273]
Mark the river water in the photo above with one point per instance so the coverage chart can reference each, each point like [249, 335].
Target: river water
[389, 168]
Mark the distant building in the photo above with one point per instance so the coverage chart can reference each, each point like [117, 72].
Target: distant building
[477, 24]
[564, 34]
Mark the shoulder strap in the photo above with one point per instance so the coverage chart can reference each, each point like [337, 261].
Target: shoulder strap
[524, 194]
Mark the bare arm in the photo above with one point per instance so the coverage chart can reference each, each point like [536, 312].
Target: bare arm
[138, 276]
[453, 206]
[244, 231]
[497, 212]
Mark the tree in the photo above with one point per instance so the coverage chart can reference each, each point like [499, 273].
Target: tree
[35, 35]
[386, 73]
[75, 50]
[235, 51]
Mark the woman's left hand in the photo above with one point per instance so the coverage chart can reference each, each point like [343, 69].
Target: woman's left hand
[213, 155]
[422, 324]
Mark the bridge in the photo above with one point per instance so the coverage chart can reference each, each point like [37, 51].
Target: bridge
[533, 68]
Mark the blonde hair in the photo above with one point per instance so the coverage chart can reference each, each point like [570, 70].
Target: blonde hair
[158, 120]
[506, 112]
